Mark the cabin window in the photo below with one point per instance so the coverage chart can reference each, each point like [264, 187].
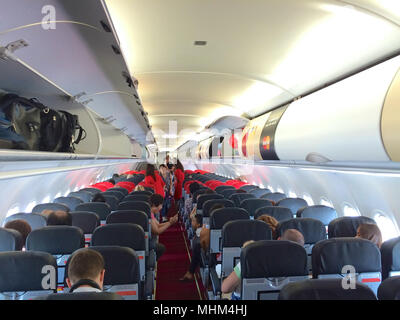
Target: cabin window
[46, 200]
[350, 211]
[30, 207]
[325, 202]
[13, 210]
[292, 194]
[386, 225]
[280, 190]
[271, 188]
[308, 199]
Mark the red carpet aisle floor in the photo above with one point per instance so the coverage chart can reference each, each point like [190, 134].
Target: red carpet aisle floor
[173, 265]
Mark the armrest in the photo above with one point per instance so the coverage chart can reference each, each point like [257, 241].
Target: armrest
[215, 282]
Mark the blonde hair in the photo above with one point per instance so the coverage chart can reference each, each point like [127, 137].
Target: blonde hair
[271, 222]
[247, 243]
[370, 232]
[139, 188]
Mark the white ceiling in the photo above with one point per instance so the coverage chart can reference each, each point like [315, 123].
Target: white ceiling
[259, 53]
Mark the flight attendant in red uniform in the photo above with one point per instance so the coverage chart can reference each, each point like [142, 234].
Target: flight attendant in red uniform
[154, 180]
[179, 177]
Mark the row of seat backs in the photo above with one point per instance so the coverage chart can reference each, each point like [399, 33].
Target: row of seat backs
[24, 270]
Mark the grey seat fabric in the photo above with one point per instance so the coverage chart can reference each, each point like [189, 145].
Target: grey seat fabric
[141, 197]
[22, 272]
[36, 221]
[112, 201]
[294, 204]
[219, 217]
[82, 296]
[237, 198]
[136, 205]
[119, 195]
[129, 216]
[209, 204]
[347, 226]
[324, 289]
[319, 212]
[220, 189]
[228, 192]
[390, 253]
[50, 206]
[120, 189]
[248, 187]
[274, 196]
[312, 230]
[236, 233]
[83, 195]
[92, 191]
[279, 213]
[10, 240]
[260, 192]
[56, 240]
[389, 289]
[102, 209]
[205, 197]
[251, 205]
[70, 202]
[147, 193]
[85, 220]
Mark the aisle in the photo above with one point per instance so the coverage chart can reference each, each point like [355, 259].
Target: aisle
[173, 265]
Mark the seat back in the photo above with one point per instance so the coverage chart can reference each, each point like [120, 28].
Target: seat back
[83, 195]
[87, 222]
[139, 197]
[248, 187]
[234, 235]
[228, 192]
[102, 209]
[118, 194]
[237, 198]
[251, 205]
[38, 209]
[209, 204]
[120, 189]
[92, 191]
[294, 204]
[70, 202]
[274, 196]
[22, 275]
[218, 219]
[205, 197]
[36, 221]
[267, 266]
[219, 189]
[389, 289]
[279, 213]
[324, 289]
[319, 212]
[347, 226]
[10, 240]
[136, 205]
[329, 257]
[146, 193]
[60, 241]
[122, 271]
[259, 192]
[135, 217]
[112, 201]
[312, 230]
[124, 235]
[390, 254]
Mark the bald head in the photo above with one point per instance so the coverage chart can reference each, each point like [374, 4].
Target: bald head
[293, 235]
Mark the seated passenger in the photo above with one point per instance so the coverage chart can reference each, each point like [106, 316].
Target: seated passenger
[22, 227]
[271, 222]
[189, 202]
[205, 232]
[197, 226]
[370, 232]
[156, 203]
[98, 198]
[59, 218]
[86, 271]
[232, 282]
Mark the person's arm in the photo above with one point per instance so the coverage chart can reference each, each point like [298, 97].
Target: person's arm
[158, 228]
[205, 238]
[230, 283]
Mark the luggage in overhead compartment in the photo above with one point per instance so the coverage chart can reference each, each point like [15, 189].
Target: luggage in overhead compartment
[26, 124]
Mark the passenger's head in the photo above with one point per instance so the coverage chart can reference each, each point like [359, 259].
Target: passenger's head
[86, 264]
[98, 198]
[111, 181]
[139, 188]
[271, 222]
[59, 218]
[156, 202]
[370, 232]
[247, 243]
[197, 221]
[292, 235]
[193, 187]
[150, 171]
[21, 226]
[179, 165]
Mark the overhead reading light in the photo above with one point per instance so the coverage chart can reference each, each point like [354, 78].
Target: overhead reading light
[200, 43]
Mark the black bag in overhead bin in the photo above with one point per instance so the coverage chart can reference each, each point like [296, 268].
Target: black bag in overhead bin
[29, 125]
